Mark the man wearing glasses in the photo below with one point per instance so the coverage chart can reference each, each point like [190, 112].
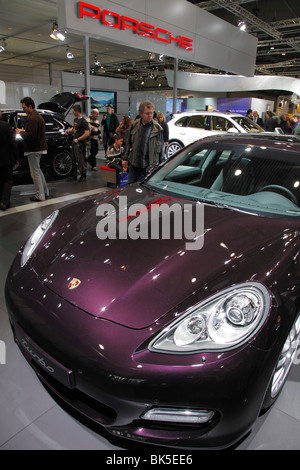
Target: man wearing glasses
[145, 145]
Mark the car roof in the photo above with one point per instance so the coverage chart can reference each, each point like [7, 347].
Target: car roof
[262, 139]
[210, 113]
[20, 111]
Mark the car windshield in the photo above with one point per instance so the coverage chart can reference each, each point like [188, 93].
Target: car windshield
[247, 124]
[252, 178]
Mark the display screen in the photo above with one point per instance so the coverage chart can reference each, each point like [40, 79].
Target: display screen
[100, 99]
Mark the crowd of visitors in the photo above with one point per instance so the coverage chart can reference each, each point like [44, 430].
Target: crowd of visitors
[131, 145]
[272, 122]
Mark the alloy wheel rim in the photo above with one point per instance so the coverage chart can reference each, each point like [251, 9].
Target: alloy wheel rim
[173, 148]
[286, 358]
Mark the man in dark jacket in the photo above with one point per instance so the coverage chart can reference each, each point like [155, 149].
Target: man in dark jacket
[8, 158]
[145, 144]
[110, 122]
[35, 146]
[257, 119]
[80, 132]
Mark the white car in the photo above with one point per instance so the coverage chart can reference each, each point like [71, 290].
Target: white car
[188, 127]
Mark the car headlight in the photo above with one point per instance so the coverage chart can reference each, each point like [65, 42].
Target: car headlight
[223, 321]
[37, 236]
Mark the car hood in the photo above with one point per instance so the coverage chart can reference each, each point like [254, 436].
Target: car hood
[135, 282]
[63, 102]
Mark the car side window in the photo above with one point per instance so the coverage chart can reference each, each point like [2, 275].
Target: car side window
[220, 124]
[9, 118]
[198, 122]
[225, 155]
[51, 124]
[181, 122]
[21, 120]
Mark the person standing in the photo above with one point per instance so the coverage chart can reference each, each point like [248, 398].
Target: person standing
[162, 122]
[81, 132]
[257, 119]
[286, 124]
[145, 146]
[35, 146]
[110, 122]
[296, 126]
[8, 158]
[269, 123]
[124, 125]
[249, 113]
[95, 137]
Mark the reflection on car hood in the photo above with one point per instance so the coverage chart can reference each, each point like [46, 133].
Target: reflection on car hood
[135, 282]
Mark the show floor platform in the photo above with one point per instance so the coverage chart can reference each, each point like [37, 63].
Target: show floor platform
[29, 417]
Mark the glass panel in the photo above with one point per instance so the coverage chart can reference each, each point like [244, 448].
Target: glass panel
[181, 122]
[247, 124]
[220, 124]
[198, 122]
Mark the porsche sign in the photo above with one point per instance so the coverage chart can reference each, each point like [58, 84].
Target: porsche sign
[115, 20]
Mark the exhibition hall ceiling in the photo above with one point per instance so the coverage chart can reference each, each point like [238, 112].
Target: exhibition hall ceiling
[25, 27]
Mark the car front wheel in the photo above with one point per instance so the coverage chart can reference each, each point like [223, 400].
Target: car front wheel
[172, 148]
[61, 164]
[284, 364]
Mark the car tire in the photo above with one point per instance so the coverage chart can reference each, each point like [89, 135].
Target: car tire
[283, 365]
[172, 148]
[61, 164]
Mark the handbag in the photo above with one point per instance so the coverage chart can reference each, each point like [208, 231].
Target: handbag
[123, 179]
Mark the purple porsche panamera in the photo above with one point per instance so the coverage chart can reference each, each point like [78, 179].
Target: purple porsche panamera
[168, 312]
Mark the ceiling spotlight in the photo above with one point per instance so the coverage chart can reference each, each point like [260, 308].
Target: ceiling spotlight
[56, 34]
[242, 25]
[3, 46]
[69, 54]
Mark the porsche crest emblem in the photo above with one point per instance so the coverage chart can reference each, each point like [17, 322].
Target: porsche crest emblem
[74, 283]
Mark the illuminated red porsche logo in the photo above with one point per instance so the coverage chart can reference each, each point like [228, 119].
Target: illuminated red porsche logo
[74, 283]
[115, 20]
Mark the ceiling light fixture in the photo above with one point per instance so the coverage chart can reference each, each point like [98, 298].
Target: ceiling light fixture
[69, 54]
[242, 25]
[56, 34]
[3, 46]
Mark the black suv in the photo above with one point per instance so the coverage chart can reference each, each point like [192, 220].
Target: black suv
[57, 162]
